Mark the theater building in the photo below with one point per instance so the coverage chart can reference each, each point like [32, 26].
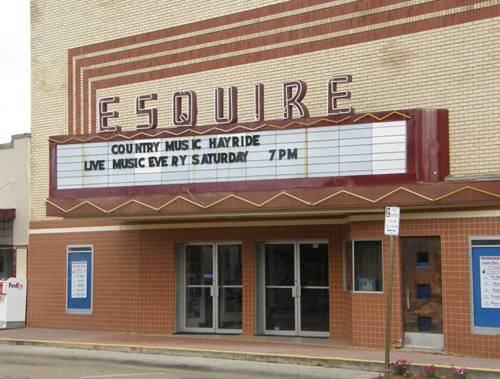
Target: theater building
[226, 171]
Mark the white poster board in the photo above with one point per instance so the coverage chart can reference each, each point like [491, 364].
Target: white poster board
[79, 279]
[489, 267]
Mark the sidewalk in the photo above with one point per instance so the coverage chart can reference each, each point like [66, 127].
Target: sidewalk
[305, 351]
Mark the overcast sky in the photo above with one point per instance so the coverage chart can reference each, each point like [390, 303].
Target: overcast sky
[15, 97]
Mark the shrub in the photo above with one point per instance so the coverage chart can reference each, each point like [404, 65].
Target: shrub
[430, 371]
[458, 372]
[400, 367]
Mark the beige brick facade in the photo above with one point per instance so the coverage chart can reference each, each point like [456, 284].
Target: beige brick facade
[454, 68]
[409, 55]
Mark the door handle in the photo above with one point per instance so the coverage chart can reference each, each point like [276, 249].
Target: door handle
[296, 292]
[214, 291]
[408, 299]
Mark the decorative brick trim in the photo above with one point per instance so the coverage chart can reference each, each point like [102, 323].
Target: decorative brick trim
[368, 27]
[415, 196]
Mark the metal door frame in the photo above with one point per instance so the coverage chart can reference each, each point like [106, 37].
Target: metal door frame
[217, 287]
[214, 289]
[296, 289]
[303, 333]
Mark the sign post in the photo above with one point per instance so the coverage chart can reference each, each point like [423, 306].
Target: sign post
[391, 229]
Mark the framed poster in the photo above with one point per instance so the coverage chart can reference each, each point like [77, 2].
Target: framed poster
[485, 256]
[79, 280]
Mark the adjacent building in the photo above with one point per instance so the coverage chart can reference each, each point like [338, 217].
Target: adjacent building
[14, 206]
[226, 171]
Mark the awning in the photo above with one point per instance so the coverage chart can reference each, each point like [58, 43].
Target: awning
[8, 213]
[341, 200]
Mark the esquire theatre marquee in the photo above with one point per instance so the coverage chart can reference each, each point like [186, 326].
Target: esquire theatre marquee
[229, 155]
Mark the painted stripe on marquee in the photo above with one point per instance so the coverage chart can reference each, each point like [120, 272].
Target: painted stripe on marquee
[236, 224]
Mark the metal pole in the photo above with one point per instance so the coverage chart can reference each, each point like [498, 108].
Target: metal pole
[388, 311]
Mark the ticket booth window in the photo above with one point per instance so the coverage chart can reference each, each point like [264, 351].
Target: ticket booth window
[363, 266]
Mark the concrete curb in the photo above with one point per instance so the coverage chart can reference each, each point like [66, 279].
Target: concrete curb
[305, 360]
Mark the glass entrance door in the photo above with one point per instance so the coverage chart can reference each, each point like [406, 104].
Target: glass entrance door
[229, 290]
[314, 302]
[280, 289]
[199, 288]
[296, 289]
[213, 292]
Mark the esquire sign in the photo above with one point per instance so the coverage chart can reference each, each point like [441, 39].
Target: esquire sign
[297, 151]
[185, 110]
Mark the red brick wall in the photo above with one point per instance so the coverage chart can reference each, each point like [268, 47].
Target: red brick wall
[248, 272]
[134, 275]
[368, 309]
[455, 258]
[134, 279]
[133, 282]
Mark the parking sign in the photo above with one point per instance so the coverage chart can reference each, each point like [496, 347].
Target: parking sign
[391, 227]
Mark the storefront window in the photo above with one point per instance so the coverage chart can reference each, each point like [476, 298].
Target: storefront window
[363, 266]
[6, 228]
[6, 262]
[6, 232]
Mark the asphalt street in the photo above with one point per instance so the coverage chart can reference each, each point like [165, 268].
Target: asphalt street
[23, 362]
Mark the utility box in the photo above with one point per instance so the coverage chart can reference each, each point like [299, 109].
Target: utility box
[12, 303]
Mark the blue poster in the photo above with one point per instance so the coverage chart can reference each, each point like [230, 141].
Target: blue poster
[79, 282]
[486, 286]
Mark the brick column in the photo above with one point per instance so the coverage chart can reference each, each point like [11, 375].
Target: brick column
[169, 257]
[248, 282]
